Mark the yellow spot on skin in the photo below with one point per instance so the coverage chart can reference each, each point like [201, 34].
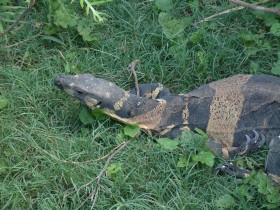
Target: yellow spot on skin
[225, 153]
[165, 131]
[185, 116]
[157, 91]
[90, 102]
[148, 121]
[69, 91]
[112, 114]
[107, 95]
[185, 128]
[275, 178]
[246, 175]
[72, 84]
[118, 105]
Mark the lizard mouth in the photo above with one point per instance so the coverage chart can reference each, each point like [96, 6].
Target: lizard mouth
[91, 102]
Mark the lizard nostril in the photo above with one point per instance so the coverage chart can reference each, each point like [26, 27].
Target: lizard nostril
[79, 92]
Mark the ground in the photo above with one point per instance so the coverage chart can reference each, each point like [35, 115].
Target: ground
[45, 148]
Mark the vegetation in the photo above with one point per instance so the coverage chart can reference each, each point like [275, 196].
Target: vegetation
[48, 141]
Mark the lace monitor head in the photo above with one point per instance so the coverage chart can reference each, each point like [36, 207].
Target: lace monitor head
[227, 109]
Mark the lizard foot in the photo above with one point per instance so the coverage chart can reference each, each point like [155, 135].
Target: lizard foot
[250, 145]
[233, 170]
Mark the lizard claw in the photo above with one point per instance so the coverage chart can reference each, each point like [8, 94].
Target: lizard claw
[250, 145]
[233, 170]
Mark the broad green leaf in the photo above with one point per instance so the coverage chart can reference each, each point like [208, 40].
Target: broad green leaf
[206, 158]
[172, 27]
[85, 28]
[275, 29]
[164, 5]
[3, 102]
[182, 163]
[168, 143]
[131, 130]
[99, 114]
[265, 187]
[85, 116]
[113, 169]
[64, 18]
[262, 183]
[225, 202]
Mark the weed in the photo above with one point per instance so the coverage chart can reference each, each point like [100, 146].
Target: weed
[45, 147]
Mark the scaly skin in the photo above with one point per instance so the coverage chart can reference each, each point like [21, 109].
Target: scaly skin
[227, 109]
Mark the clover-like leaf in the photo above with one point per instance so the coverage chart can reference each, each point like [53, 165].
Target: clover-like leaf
[113, 169]
[182, 163]
[172, 27]
[225, 202]
[85, 28]
[206, 158]
[168, 143]
[64, 18]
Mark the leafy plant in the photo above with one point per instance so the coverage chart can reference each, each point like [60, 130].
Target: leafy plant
[65, 14]
[179, 29]
[85, 116]
[172, 28]
[271, 20]
[206, 158]
[131, 130]
[225, 202]
[97, 16]
[168, 143]
[113, 169]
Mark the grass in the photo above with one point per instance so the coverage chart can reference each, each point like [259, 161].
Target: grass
[40, 127]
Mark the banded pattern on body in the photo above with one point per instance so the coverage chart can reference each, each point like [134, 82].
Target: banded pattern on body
[227, 109]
